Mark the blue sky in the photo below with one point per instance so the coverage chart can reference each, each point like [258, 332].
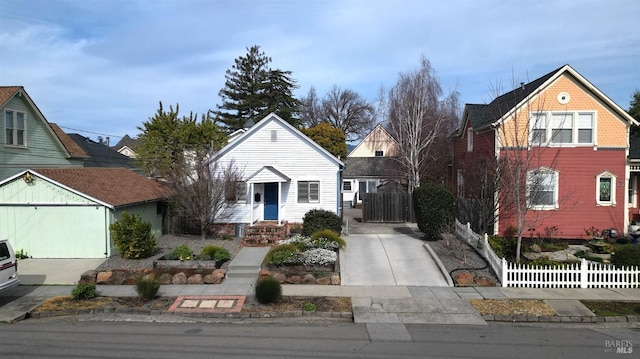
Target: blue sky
[103, 66]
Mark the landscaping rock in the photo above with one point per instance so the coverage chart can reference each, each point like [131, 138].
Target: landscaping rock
[165, 278]
[463, 279]
[117, 278]
[179, 278]
[103, 277]
[88, 276]
[280, 277]
[335, 279]
[195, 279]
[129, 281]
[536, 248]
[213, 278]
[323, 281]
[308, 279]
[294, 279]
[485, 282]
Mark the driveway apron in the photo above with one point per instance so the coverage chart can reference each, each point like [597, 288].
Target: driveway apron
[388, 259]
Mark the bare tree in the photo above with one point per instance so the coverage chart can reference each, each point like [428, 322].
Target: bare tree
[418, 119]
[343, 109]
[203, 188]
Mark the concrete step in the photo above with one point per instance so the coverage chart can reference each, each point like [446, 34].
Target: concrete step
[243, 274]
[243, 267]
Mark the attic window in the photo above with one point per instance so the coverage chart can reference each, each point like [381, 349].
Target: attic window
[274, 135]
[470, 139]
[15, 128]
[379, 153]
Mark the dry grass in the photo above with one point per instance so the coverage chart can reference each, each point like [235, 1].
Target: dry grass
[66, 304]
[511, 307]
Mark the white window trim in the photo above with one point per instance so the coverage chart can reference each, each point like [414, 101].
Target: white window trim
[308, 194]
[350, 185]
[470, 139]
[556, 186]
[574, 128]
[612, 202]
[15, 139]
[633, 188]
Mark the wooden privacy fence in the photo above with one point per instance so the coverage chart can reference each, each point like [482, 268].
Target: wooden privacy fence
[388, 207]
[577, 275]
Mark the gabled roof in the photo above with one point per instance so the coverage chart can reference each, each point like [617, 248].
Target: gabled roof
[482, 116]
[66, 144]
[369, 167]
[100, 155]
[113, 187]
[69, 144]
[272, 117]
[125, 141]
[268, 174]
[378, 127]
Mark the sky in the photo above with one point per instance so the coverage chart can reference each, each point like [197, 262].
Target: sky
[100, 68]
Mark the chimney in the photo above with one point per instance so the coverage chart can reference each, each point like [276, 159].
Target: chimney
[522, 86]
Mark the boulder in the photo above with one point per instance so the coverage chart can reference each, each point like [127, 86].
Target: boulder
[323, 281]
[536, 248]
[179, 278]
[117, 278]
[294, 279]
[165, 278]
[223, 272]
[88, 276]
[463, 279]
[483, 281]
[264, 273]
[129, 280]
[279, 276]
[335, 279]
[308, 279]
[195, 279]
[213, 278]
[103, 277]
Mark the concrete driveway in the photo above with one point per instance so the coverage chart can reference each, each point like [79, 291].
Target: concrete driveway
[389, 259]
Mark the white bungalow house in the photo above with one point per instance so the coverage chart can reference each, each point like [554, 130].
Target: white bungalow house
[285, 173]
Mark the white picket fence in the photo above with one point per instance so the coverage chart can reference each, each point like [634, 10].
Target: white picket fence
[578, 275]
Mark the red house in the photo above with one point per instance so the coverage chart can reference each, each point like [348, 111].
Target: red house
[550, 157]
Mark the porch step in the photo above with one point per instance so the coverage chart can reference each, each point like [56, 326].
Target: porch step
[265, 233]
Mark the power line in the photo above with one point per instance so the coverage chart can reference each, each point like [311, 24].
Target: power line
[85, 131]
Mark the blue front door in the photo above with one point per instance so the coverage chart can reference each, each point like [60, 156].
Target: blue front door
[270, 201]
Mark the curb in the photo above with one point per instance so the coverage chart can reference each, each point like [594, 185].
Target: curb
[441, 266]
[561, 319]
[343, 316]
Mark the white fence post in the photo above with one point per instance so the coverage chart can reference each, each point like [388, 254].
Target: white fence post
[505, 278]
[583, 273]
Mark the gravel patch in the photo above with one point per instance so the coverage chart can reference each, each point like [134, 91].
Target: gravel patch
[166, 244]
[456, 255]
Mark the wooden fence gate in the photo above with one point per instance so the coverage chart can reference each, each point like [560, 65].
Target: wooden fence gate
[388, 207]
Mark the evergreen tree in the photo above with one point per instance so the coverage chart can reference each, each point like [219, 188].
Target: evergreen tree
[253, 90]
[634, 111]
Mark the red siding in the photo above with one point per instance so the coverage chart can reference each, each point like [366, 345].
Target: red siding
[578, 168]
[483, 147]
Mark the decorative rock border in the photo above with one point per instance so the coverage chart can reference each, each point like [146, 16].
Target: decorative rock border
[122, 277]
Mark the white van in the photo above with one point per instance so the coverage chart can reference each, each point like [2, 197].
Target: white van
[8, 266]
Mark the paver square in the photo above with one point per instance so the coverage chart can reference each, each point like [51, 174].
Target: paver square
[208, 304]
[189, 303]
[225, 303]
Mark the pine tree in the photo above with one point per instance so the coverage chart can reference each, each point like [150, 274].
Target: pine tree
[253, 90]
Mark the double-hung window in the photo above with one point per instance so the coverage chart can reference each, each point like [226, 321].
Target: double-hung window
[542, 189]
[15, 128]
[308, 191]
[562, 128]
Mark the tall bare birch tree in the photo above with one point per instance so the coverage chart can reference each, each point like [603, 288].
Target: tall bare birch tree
[418, 117]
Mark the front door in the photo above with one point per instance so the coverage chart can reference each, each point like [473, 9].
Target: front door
[270, 201]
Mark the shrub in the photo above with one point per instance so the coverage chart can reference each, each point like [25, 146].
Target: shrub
[182, 253]
[318, 219]
[545, 262]
[132, 237]
[435, 209]
[215, 253]
[84, 291]
[503, 247]
[324, 239]
[309, 307]
[626, 255]
[268, 290]
[284, 254]
[22, 254]
[147, 288]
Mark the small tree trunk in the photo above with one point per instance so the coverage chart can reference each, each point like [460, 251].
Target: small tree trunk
[518, 246]
[203, 230]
